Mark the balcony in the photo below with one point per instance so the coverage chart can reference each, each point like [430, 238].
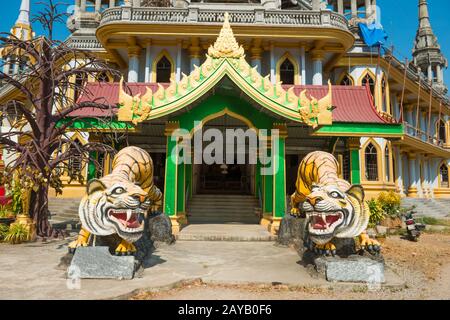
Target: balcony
[169, 15]
[416, 139]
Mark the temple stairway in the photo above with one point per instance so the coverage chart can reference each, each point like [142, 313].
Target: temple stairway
[223, 209]
[437, 208]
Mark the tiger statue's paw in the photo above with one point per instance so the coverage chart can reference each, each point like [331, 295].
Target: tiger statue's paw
[81, 241]
[296, 213]
[368, 244]
[125, 249]
[328, 249]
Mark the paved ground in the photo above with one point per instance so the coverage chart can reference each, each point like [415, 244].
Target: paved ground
[225, 232]
[29, 271]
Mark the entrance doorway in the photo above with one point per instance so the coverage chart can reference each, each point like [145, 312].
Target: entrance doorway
[226, 178]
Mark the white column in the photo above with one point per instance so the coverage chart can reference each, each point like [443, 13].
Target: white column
[430, 73]
[354, 8]
[399, 171]
[273, 77]
[317, 70]
[148, 63]
[112, 3]
[368, 8]
[178, 63]
[439, 74]
[98, 5]
[303, 65]
[83, 6]
[340, 7]
[412, 190]
[133, 68]
[418, 178]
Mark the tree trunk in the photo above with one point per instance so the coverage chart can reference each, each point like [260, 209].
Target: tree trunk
[40, 213]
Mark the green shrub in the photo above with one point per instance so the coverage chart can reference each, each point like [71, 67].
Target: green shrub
[5, 212]
[3, 231]
[376, 213]
[390, 203]
[17, 233]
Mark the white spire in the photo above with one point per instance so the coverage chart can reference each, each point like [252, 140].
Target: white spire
[24, 15]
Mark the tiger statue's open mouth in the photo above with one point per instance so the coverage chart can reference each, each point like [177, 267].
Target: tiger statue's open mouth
[131, 219]
[325, 222]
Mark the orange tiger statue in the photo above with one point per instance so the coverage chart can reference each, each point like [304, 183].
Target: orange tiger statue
[333, 207]
[118, 202]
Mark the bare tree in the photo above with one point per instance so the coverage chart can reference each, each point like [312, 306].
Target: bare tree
[40, 138]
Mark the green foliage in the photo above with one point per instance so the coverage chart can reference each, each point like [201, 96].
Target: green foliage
[376, 213]
[6, 212]
[16, 194]
[390, 203]
[17, 233]
[3, 231]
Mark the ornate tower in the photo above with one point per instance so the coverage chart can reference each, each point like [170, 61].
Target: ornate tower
[22, 30]
[427, 52]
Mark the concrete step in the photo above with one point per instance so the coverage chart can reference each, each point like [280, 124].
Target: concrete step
[209, 220]
[225, 232]
[439, 208]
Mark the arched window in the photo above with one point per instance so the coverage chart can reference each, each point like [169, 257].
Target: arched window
[368, 80]
[371, 160]
[78, 86]
[443, 175]
[287, 72]
[346, 81]
[441, 131]
[387, 163]
[102, 77]
[163, 70]
[75, 164]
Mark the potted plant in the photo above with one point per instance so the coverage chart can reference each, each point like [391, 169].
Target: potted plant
[17, 233]
[390, 204]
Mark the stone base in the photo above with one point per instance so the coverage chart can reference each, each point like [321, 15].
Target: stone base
[98, 263]
[160, 228]
[291, 231]
[354, 268]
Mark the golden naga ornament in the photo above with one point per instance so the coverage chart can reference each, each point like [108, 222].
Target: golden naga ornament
[135, 109]
[316, 112]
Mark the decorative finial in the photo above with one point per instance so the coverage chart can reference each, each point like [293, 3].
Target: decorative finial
[226, 45]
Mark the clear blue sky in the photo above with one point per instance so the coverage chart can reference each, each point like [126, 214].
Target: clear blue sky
[399, 18]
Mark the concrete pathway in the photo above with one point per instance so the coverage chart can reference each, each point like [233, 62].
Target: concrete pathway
[29, 271]
[225, 232]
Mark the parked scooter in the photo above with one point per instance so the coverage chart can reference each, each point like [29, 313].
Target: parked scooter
[413, 229]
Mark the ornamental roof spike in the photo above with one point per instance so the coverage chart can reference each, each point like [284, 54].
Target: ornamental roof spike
[226, 45]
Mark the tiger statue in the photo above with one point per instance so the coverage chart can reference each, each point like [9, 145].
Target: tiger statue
[333, 207]
[118, 202]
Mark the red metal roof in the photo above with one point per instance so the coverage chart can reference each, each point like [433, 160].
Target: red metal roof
[353, 103]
